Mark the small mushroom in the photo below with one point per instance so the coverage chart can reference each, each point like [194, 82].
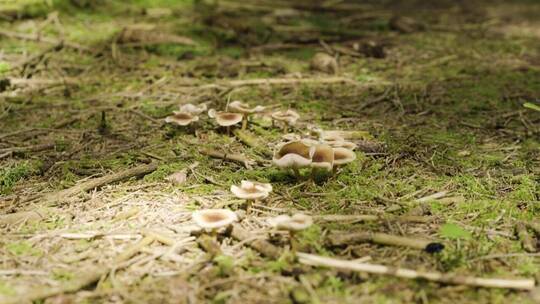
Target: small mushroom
[214, 219]
[343, 156]
[323, 158]
[181, 118]
[288, 117]
[241, 107]
[193, 109]
[294, 155]
[293, 224]
[324, 63]
[225, 119]
[251, 192]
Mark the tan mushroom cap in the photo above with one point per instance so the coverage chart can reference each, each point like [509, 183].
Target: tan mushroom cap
[244, 108]
[289, 116]
[250, 190]
[297, 222]
[225, 119]
[181, 118]
[193, 109]
[341, 144]
[295, 154]
[214, 218]
[343, 156]
[323, 157]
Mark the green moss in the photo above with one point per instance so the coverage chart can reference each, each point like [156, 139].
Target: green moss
[6, 289]
[13, 173]
[23, 248]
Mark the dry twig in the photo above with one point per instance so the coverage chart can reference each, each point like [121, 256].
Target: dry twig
[315, 260]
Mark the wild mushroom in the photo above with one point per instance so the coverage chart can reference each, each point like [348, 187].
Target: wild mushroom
[251, 192]
[336, 141]
[343, 156]
[323, 158]
[225, 119]
[288, 117]
[293, 224]
[294, 155]
[342, 144]
[193, 109]
[181, 118]
[324, 63]
[214, 219]
[241, 107]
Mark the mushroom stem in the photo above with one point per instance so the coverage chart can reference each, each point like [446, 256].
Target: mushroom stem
[228, 131]
[249, 204]
[244, 122]
[292, 241]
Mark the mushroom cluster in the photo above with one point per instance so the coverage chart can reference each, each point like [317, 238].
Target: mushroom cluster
[187, 114]
[319, 155]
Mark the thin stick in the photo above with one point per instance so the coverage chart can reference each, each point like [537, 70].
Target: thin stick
[370, 218]
[262, 246]
[20, 150]
[86, 278]
[239, 158]
[315, 260]
[337, 238]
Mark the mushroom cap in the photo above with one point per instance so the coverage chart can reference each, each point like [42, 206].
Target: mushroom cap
[251, 190]
[193, 109]
[343, 156]
[296, 222]
[181, 118]
[294, 154]
[341, 144]
[242, 107]
[323, 157]
[225, 119]
[214, 218]
[330, 137]
[288, 116]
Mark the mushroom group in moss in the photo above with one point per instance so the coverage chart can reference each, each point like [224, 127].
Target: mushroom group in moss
[292, 224]
[288, 118]
[245, 110]
[293, 155]
[251, 192]
[214, 219]
[225, 119]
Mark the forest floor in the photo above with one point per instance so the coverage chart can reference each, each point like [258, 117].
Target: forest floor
[447, 150]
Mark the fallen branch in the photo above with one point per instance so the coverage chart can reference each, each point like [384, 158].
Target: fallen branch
[239, 158]
[315, 260]
[35, 59]
[21, 150]
[262, 246]
[86, 278]
[281, 81]
[370, 218]
[31, 216]
[339, 238]
[64, 195]
[39, 38]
